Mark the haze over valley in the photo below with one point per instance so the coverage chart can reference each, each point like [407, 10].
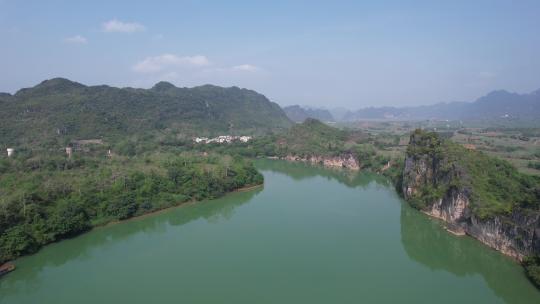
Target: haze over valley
[498, 106]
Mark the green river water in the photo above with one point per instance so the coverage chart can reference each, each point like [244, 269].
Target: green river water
[309, 236]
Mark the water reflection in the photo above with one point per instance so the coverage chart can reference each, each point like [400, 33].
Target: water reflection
[355, 240]
[299, 171]
[80, 248]
[425, 241]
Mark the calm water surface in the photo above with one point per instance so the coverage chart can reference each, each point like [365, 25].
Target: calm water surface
[309, 236]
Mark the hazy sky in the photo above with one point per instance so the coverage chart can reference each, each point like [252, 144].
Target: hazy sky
[350, 53]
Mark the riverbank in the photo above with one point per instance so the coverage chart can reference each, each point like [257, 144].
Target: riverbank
[248, 188]
[346, 161]
[275, 237]
[474, 194]
[148, 214]
[58, 198]
[6, 268]
[335, 162]
[178, 205]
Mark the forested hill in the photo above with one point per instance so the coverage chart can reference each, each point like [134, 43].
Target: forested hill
[299, 114]
[60, 108]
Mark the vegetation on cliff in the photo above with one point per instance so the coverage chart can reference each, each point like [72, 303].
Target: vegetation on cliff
[494, 185]
[438, 168]
[314, 138]
[45, 198]
[532, 269]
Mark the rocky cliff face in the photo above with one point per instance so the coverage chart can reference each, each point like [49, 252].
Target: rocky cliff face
[347, 161]
[516, 234]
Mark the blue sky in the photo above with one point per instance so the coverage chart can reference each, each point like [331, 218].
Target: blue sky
[329, 53]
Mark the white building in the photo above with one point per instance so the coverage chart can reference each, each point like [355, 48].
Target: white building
[69, 151]
[10, 152]
[222, 139]
[201, 139]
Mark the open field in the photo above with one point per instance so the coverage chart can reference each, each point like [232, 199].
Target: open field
[519, 146]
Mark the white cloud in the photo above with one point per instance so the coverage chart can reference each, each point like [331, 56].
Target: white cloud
[169, 61]
[245, 68]
[118, 26]
[77, 39]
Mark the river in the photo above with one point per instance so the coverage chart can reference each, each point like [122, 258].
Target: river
[310, 235]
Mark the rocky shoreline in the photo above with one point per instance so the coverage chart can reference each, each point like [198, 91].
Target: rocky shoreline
[516, 233]
[347, 161]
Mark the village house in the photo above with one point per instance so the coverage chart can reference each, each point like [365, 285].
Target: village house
[222, 139]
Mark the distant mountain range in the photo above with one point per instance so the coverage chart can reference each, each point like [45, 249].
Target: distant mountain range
[60, 108]
[298, 113]
[495, 105]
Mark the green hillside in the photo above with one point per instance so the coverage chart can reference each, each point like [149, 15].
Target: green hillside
[45, 198]
[313, 137]
[59, 110]
[495, 186]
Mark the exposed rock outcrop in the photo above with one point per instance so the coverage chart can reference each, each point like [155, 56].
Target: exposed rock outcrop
[347, 161]
[516, 234]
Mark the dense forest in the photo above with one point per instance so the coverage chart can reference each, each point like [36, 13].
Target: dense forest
[45, 198]
[58, 111]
